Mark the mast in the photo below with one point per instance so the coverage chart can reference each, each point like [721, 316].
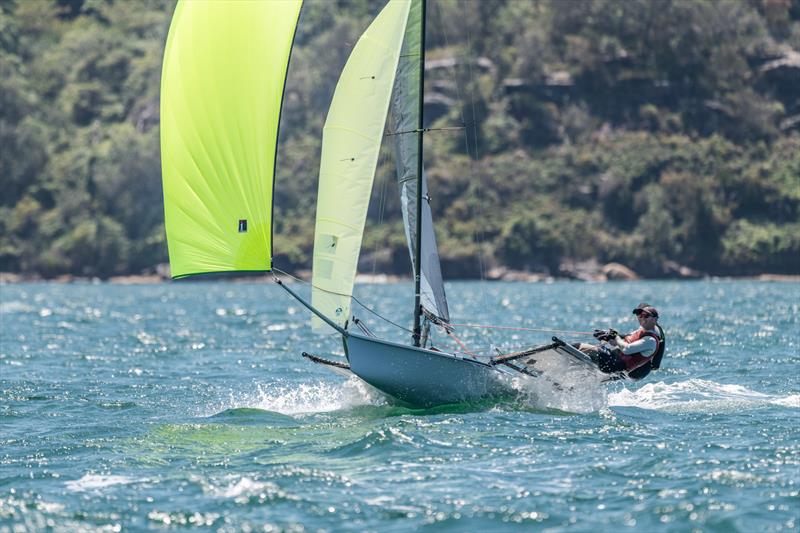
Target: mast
[418, 236]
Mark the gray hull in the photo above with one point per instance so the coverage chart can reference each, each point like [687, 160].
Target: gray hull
[421, 377]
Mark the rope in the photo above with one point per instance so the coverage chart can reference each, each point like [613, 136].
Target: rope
[461, 344]
[547, 330]
[356, 300]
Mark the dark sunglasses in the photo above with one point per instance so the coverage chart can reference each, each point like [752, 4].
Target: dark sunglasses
[644, 314]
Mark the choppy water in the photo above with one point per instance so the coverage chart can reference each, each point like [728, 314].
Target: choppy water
[188, 404]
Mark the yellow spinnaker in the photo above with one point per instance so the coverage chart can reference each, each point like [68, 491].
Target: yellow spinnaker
[350, 143]
[221, 90]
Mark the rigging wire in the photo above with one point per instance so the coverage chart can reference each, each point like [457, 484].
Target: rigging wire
[356, 300]
[478, 236]
[488, 352]
[458, 341]
[382, 184]
[464, 350]
[519, 328]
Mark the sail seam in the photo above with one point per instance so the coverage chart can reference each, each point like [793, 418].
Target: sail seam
[334, 221]
[349, 130]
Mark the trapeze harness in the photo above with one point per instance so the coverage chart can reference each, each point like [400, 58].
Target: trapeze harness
[638, 366]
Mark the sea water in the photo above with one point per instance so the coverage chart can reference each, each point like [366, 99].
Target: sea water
[188, 404]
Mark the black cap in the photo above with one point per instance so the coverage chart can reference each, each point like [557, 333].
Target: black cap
[647, 308]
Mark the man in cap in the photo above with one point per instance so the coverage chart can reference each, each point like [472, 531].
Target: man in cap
[635, 353]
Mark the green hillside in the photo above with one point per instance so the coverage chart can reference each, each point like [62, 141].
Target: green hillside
[660, 134]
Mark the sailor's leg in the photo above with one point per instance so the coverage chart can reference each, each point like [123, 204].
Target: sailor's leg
[585, 348]
[609, 362]
[589, 349]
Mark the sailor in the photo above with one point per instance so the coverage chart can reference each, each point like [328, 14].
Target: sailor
[636, 353]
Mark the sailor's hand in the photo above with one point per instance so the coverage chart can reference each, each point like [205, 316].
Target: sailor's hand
[612, 333]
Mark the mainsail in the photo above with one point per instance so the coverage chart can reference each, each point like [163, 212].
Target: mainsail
[222, 86]
[351, 140]
[405, 114]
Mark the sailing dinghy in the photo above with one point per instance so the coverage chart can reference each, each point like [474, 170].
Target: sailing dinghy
[224, 72]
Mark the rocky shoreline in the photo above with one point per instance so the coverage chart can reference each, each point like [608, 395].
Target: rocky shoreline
[585, 271]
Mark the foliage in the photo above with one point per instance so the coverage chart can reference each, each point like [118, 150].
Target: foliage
[756, 247]
[646, 132]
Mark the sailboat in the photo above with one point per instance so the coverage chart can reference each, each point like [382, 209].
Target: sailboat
[224, 72]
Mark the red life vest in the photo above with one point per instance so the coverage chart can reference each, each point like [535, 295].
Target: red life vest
[634, 361]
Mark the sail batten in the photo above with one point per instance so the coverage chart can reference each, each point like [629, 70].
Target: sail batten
[224, 72]
[351, 141]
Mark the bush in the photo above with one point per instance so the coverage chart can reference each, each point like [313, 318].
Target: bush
[91, 248]
[754, 248]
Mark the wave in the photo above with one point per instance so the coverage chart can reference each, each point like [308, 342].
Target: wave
[252, 416]
[305, 398]
[569, 395]
[562, 392]
[97, 482]
[14, 307]
[242, 489]
[565, 395]
[697, 395]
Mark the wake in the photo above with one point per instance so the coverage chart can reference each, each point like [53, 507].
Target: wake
[578, 393]
[569, 394]
[696, 395]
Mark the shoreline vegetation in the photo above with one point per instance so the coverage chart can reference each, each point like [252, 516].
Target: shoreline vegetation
[591, 139]
[7, 278]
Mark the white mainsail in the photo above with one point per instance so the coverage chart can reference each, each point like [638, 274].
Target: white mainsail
[351, 140]
[406, 121]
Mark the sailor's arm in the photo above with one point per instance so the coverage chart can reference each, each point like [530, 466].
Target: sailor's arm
[645, 345]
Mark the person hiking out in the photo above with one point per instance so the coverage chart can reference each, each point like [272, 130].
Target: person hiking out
[634, 354]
